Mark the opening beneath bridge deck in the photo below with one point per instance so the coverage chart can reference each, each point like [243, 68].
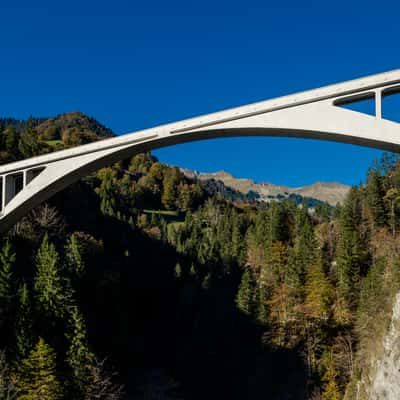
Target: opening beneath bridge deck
[33, 173]
[391, 104]
[362, 103]
[14, 184]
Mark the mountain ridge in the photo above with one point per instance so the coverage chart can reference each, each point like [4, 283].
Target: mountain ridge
[330, 192]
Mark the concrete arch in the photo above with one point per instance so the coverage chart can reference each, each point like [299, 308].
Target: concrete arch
[315, 114]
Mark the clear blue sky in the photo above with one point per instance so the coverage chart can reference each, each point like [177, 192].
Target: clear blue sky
[136, 64]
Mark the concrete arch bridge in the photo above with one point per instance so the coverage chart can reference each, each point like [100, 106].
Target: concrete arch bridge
[316, 114]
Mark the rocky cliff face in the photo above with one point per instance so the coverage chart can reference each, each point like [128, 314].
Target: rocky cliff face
[386, 382]
[379, 366]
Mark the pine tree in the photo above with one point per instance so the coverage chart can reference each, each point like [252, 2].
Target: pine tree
[245, 294]
[206, 284]
[276, 227]
[29, 144]
[237, 240]
[74, 252]
[48, 285]
[193, 271]
[375, 198]
[392, 198]
[372, 296]
[275, 270]
[78, 354]
[349, 262]
[11, 139]
[24, 323]
[178, 271]
[38, 379]
[7, 259]
[106, 192]
[262, 304]
[303, 252]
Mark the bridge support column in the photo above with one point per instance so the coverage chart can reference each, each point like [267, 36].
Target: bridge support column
[2, 193]
[378, 104]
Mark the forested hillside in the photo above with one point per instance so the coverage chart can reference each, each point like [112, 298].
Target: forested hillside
[141, 283]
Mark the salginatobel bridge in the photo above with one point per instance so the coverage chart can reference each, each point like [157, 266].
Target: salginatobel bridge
[314, 114]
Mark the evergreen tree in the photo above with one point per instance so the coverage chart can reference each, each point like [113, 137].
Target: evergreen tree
[178, 271]
[78, 354]
[262, 304]
[7, 259]
[349, 263]
[303, 252]
[11, 140]
[275, 270]
[74, 256]
[193, 271]
[24, 323]
[245, 294]
[276, 227]
[375, 198]
[371, 296]
[206, 284]
[38, 379]
[392, 197]
[29, 144]
[48, 287]
[106, 192]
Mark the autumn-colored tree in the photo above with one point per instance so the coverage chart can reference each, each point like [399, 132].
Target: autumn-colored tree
[170, 188]
[319, 291]
[101, 385]
[331, 390]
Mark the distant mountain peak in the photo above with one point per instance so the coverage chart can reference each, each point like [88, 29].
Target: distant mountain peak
[330, 192]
